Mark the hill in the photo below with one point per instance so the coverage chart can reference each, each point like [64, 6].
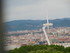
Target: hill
[34, 24]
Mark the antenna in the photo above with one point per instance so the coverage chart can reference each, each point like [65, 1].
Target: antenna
[47, 17]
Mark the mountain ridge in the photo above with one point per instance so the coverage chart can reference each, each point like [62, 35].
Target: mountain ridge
[35, 24]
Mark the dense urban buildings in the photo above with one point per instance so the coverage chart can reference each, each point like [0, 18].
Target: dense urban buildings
[57, 36]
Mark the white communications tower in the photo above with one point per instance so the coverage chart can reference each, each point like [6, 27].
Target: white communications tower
[48, 26]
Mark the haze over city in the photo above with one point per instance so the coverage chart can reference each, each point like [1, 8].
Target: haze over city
[37, 22]
[36, 9]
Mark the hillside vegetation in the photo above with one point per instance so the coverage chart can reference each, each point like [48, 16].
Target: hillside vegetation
[40, 49]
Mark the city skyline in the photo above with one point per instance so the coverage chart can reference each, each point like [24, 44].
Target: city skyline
[36, 9]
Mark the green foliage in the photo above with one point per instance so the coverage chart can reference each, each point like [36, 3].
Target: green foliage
[41, 49]
[45, 51]
[67, 49]
[13, 51]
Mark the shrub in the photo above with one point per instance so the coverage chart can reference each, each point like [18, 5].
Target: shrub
[67, 49]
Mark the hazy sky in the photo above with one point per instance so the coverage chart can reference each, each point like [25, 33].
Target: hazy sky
[36, 9]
